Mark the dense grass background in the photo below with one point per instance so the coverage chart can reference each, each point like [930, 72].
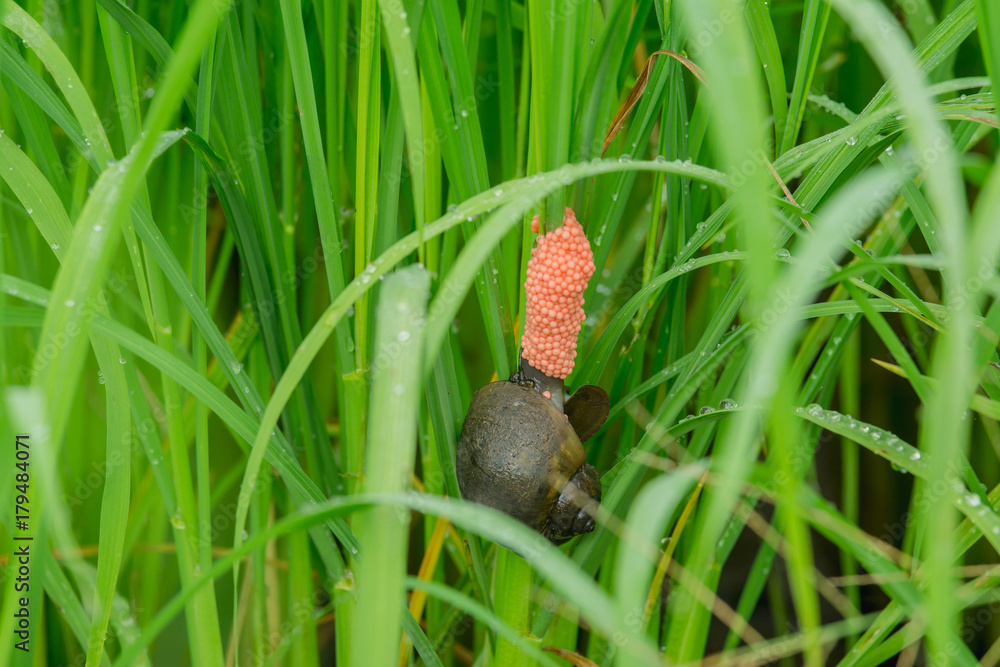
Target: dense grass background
[256, 257]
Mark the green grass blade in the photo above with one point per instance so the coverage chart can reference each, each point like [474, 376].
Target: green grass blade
[815, 17]
[395, 401]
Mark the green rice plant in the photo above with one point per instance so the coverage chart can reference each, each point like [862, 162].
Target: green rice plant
[256, 258]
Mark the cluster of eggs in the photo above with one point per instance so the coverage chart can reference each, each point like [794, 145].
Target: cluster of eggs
[561, 264]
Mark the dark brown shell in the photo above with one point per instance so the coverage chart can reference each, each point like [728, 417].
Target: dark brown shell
[516, 452]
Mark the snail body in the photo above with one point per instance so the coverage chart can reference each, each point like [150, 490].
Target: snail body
[521, 448]
[521, 455]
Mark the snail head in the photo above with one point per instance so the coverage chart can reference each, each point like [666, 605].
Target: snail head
[571, 515]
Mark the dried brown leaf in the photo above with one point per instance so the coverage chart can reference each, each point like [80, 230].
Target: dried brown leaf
[570, 656]
[639, 88]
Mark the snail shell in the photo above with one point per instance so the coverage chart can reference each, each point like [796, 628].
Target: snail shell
[520, 455]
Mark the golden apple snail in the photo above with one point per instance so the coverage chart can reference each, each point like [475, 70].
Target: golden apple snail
[521, 446]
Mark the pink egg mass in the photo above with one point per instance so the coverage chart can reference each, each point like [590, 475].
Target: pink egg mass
[560, 266]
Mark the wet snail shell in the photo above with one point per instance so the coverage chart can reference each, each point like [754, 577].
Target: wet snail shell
[519, 454]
